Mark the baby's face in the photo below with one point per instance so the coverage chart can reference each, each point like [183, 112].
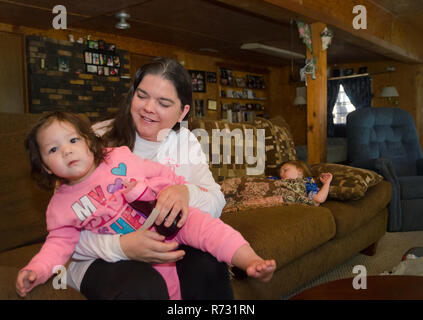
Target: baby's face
[289, 171]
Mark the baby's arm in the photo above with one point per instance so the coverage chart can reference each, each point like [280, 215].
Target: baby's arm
[246, 259]
[56, 251]
[322, 195]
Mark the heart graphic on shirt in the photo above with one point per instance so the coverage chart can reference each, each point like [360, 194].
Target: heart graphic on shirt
[112, 188]
[120, 170]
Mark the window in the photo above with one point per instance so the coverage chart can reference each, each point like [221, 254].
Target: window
[342, 107]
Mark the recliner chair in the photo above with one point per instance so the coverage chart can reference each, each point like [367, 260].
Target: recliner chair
[385, 140]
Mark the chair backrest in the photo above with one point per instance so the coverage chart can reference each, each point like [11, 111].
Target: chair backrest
[384, 133]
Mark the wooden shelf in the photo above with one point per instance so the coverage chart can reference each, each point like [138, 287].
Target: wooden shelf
[239, 77]
[247, 99]
[235, 87]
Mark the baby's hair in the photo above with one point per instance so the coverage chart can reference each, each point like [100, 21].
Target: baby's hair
[300, 165]
[83, 128]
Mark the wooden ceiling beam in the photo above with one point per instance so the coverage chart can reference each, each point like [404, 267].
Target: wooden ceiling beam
[385, 33]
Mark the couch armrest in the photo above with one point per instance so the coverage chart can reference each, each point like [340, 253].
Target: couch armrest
[419, 167]
[385, 168]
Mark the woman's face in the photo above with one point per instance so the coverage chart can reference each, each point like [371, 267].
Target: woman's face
[155, 106]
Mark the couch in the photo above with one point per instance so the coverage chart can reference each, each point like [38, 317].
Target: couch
[305, 241]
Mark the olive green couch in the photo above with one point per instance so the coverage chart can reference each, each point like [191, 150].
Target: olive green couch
[305, 241]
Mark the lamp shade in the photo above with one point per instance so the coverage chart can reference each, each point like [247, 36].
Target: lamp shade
[301, 96]
[389, 92]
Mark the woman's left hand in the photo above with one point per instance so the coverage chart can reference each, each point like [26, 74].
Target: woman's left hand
[173, 199]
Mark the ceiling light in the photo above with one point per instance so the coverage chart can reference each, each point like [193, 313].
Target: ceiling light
[122, 24]
[273, 51]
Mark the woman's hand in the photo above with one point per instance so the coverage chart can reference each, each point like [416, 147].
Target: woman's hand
[173, 199]
[148, 246]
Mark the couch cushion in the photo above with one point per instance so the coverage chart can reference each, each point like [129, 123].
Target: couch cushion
[23, 203]
[12, 261]
[279, 147]
[348, 182]
[283, 233]
[42, 292]
[228, 167]
[411, 187]
[19, 257]
[350, 215]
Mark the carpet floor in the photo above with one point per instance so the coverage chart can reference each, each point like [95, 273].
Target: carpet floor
[389, 252]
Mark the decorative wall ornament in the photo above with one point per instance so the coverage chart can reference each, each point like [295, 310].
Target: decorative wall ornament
[305, 34]
[326, 36]
[309, 68]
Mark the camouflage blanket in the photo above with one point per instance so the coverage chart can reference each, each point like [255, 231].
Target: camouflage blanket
[248, 192]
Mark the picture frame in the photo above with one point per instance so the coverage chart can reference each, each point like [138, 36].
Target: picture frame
[255, 82]
[100, 70]
[212, 104]
[362, 70]
[226, 77]
[88, 57]
[198, 80]
[92, 68]
[116, 61]
[109, 61]
[101, 45]
[96, 58]
[240, 82]
[211, 77]
[199, 108]
[63, 64]
[93, 44]
[106, 71]
[110, 47]
[114, 71]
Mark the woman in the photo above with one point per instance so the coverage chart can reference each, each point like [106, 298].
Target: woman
[149, 124]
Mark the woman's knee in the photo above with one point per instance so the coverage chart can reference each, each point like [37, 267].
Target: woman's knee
[123, 280]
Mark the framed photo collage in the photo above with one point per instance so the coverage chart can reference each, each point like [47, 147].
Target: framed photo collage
[100, 58]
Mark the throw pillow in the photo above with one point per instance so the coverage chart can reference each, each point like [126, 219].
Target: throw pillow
[348, 183]
[216, 147]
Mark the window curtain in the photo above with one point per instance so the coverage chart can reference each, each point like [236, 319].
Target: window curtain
[333, 90]
[359, 91]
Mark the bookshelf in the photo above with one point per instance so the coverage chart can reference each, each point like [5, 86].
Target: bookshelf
[242, 93]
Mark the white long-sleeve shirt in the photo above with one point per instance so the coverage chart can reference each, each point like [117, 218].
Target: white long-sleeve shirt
[182, 152]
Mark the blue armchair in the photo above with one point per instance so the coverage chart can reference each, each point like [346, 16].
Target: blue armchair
[385, 140]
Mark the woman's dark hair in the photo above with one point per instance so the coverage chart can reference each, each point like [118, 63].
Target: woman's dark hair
[82, 126]
[122, 129]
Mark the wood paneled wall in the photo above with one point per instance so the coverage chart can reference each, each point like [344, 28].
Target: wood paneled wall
[408, 77]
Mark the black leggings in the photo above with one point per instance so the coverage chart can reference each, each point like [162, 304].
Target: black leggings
[201, 277]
